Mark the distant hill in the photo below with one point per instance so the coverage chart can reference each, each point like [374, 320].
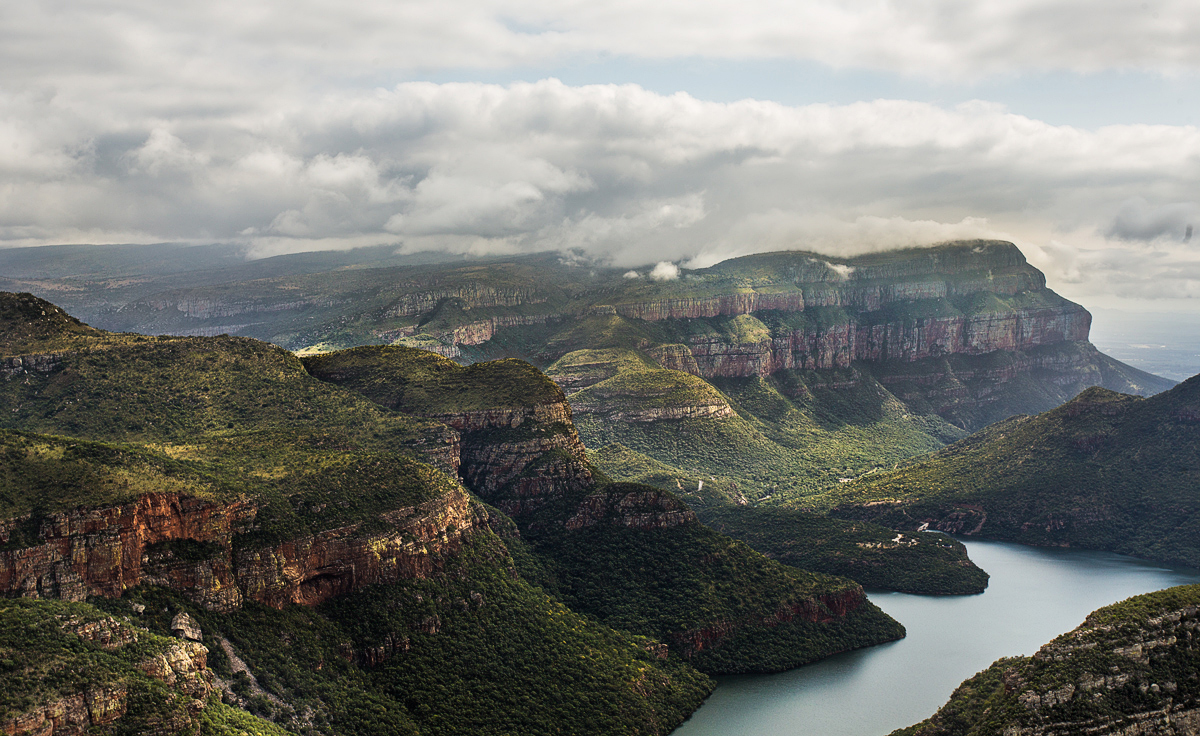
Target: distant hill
[1104, 471]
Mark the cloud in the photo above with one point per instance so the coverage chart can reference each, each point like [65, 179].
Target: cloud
[192, 56]
[627, 176]
[664, 271]
[631, 275]
[1139, 220]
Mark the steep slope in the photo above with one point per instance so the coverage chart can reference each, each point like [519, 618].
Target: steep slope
[216, 476]
[631, 555]
[1128, 669]
[869, 554]
[1104, 471]
[71, 669]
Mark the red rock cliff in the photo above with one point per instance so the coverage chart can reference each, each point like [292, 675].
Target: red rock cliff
[104, 551]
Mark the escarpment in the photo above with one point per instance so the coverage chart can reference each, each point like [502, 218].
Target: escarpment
[190, 545]
[518, 449]
[521, 452]
[1124, 671]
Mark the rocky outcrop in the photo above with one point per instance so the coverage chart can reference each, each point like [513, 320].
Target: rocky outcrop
[519, 458]
[644, 508]
[101, 551]
[657, 414]
[315, 568]
[818, 609]
[73, 715]
[1127, 671]
[21, 364]
[470, 296]
[105, 551]
[181, 665]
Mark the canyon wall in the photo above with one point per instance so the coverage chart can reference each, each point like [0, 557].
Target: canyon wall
[837, 346]
[105, 551]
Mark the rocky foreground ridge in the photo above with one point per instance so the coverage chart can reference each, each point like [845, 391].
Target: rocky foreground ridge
[1129, 669]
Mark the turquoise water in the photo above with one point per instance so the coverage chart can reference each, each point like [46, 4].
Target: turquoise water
[1033, 595]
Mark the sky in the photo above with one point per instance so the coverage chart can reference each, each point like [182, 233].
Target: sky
[631, 132]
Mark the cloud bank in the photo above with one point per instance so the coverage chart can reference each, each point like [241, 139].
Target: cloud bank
[284, 127]
[624, 174]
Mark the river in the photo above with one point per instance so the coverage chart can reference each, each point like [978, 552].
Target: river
[1034, 595]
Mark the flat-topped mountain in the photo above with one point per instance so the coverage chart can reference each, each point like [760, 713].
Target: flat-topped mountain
[964, 330]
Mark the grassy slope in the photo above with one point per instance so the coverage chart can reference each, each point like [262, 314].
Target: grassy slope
[865, 552]
[990, 702]
[1104, 471]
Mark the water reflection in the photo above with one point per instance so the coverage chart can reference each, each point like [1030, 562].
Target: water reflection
[1033, 596]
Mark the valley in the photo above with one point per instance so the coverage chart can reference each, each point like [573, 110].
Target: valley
[406, 495]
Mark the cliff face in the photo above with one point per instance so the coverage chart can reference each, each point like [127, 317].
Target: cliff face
[105, 551]
[818, 609]
[519, 459]
[836, 346]
[645, 508]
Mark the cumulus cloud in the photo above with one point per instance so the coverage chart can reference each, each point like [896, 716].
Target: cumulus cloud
[664, 271]
[625, 175]
[631, 275]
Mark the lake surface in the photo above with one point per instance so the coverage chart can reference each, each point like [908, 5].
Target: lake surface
[1033, 596]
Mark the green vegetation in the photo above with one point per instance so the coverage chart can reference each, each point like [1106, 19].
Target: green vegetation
[777, 450]
[866, 553]
[686, 582]
[1104, 471]
[1129, 668]
[420, 382]
[473, 650]
[634, 391]
[51, 651]
[665, 580]
[872, 555]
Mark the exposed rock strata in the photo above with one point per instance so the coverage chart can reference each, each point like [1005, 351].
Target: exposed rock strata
[471, 296]
[820, 609]
[103, 551]
[642, 509]
[518, 459]
[1114, 675]
[657, 414]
